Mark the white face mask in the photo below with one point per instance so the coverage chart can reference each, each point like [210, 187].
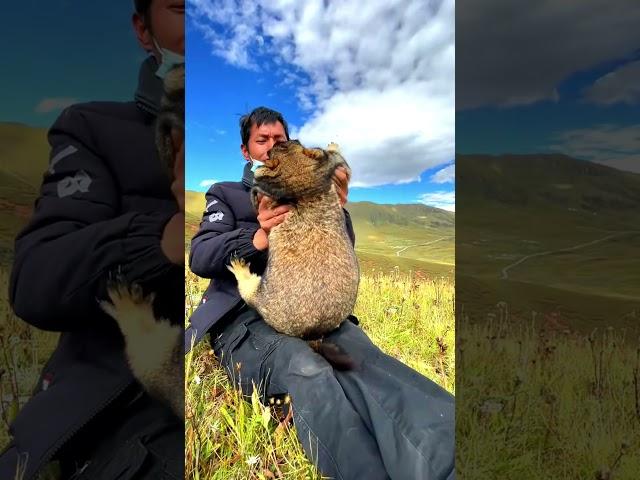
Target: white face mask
[169, 60]
[255, 164]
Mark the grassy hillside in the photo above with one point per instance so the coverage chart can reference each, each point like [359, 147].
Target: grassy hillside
[25, 153]
[409, 237]
[550, 232]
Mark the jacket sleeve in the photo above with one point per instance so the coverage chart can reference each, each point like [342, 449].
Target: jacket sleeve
[76, 236]
[219, 239]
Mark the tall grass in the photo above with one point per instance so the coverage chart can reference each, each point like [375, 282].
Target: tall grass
[536, 400]
[23, 352]
[226, 437]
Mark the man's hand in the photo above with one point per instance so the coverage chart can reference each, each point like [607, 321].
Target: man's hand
[268, 218]
[341, 180]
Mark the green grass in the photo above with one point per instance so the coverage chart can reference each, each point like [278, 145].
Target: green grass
[410, 318]
[23, 352]
[535, 401]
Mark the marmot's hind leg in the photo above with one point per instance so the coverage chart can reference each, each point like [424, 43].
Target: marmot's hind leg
[248, 283]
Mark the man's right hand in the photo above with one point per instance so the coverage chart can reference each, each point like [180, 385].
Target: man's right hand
[268, 218]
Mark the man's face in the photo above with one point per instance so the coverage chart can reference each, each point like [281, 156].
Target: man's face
[167, 27]
[262, 139]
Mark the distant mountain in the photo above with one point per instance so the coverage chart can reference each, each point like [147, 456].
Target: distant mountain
[24, 152]
[556, 182]
[547, 232]
[411, 237]
[375, 214]
[413, 214]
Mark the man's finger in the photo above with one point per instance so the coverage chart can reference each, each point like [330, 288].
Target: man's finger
[281, 210]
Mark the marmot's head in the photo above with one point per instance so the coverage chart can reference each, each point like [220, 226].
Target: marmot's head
[293, 172]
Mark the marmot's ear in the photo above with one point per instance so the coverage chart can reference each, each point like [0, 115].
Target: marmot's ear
[333, 147]
[315, 153]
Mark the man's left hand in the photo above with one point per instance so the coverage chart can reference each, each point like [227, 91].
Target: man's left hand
[341, 179]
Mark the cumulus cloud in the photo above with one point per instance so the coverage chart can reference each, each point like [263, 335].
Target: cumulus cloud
[378, 80]
[47, 105]
[516, 53]
[615, 146]
[446, 200]
[446, 175]
[207, 182]
[620, 86]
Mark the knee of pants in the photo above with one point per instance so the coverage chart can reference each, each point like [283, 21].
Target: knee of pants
[307, 363]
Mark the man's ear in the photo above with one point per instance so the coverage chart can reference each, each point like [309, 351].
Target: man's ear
[143, 34]
[245, 152]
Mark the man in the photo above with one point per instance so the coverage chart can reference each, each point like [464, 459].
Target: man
[380, 421]
[106, 204]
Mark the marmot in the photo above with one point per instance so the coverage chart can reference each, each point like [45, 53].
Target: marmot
[154, 347]
[310, 284]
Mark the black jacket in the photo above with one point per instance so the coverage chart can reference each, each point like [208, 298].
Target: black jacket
[103, 204]
[228, 225]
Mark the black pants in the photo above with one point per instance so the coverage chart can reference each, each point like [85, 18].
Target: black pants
[136, 438]
[382, 420]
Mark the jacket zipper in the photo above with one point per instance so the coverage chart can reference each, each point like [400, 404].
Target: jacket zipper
[45, 460]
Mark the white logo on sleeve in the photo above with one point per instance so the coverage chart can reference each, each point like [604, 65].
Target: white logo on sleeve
[214, 202]
[78, 183]
[65, 152]
[216, 217]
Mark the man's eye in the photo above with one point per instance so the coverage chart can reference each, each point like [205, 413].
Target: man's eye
[260, 142]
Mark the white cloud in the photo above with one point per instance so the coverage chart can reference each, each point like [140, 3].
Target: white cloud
[620, 86]
[615, 146]
[510, 53]
[446, 175]
[207, 182]
[446, 200]
[378, 80]
[47, 105]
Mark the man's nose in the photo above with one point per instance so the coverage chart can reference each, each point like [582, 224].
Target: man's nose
[271, 143]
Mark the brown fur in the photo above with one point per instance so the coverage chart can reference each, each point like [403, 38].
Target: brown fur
[311, 281]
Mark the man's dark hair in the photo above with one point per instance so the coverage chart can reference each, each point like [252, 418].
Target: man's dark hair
[143, 8]
[259, 116]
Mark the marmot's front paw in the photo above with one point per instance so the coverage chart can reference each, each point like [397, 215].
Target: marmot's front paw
[125, 298]
[248, 282]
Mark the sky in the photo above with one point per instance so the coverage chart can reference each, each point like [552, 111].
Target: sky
[378, 81]
[554, 77]
[64, 52]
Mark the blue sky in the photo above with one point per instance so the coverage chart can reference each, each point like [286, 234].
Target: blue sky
[392, 115]
[541, 127]
[569, 85]
[60, 52]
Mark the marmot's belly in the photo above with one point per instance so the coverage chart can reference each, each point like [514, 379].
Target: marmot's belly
[308, 305]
